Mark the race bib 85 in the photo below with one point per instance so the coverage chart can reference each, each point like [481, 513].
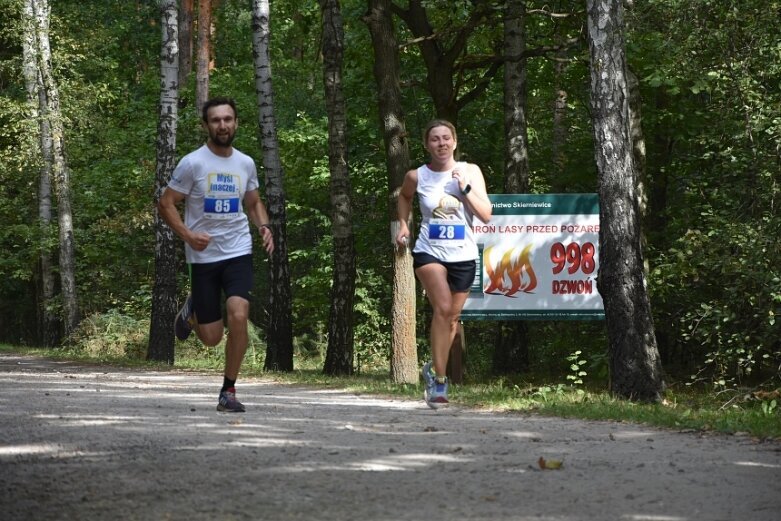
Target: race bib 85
[222, 196]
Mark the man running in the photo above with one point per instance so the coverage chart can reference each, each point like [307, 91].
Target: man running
[218, 184]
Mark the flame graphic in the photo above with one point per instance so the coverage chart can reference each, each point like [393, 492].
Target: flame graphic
[507, 277]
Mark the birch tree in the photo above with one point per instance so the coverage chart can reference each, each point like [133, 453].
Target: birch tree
[49, 334]
[279, 350]
[404, 357]
[638, 149]
[638, 158]
[161, 331]
[59, 168]
[635, 367]
[339, 355]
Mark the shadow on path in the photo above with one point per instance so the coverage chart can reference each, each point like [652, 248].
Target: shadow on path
[92, 443]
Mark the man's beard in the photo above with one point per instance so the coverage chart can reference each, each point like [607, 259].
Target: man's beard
[223, 140]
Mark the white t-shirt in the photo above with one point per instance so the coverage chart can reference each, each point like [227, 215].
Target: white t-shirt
[214, 187]
[446, 224]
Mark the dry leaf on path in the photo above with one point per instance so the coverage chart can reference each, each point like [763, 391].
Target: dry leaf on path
[550, 464]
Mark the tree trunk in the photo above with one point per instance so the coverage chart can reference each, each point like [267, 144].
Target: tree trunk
[279, 350]
[511, 352]
[440, 66]
[47, 319]
[404, 354]
[59, 169]
[204, 54]
[560, 130]
[185, 43]
[635, 368]
[516, 150]
[339, 356]
[638, 157]
[511, 356]
[161, 331]
[442, 73]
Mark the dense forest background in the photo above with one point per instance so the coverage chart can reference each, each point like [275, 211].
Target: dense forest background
[710, 91]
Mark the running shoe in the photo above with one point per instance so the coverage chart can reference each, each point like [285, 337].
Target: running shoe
[437, 397]
[228, 401]
[183, 323]
[434, 393]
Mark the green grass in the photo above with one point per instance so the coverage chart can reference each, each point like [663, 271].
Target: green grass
[684, 408]
[681, 410]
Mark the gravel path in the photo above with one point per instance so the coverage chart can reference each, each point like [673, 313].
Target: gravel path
[102, 443]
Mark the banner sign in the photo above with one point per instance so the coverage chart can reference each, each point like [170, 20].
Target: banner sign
[538, 259]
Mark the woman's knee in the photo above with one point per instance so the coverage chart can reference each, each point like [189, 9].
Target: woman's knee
[446, 314]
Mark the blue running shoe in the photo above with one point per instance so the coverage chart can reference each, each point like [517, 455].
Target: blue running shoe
[183, 323]
[428, 380]
[434, 393]
[228, 401]
[437, 397]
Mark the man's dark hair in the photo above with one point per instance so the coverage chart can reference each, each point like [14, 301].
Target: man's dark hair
[214, 102]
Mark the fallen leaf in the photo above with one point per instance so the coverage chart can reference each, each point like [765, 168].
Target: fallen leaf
[550, 464]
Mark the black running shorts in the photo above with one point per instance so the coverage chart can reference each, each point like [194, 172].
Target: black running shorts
[460, 275]
[209, 280]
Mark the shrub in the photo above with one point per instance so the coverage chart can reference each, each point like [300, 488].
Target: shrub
[110, 335]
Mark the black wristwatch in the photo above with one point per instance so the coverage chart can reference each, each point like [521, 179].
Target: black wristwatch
[467, 189]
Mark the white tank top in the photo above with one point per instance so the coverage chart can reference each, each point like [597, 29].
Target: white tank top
[446, 224]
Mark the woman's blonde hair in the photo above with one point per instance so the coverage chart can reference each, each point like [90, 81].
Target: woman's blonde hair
[439, 123]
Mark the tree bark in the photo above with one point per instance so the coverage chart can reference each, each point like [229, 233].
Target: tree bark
[511, 352]
[60, 171]
[516, 150]
[47, 318]
[161, 331]
[204, 54]
[635, 368]
[404, 356]
[339, 355]
[279, 350]
[185, 43]
[638, 157]
[560, 130]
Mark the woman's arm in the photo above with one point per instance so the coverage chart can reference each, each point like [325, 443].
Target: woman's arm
[472, 185]
[404, 206]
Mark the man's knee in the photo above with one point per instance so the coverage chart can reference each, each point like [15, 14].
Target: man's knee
[238, 311]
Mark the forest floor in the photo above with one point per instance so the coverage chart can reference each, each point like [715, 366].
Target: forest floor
[88, 442]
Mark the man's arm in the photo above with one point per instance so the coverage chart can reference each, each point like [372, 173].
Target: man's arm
[257, 213]
[170, 214]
